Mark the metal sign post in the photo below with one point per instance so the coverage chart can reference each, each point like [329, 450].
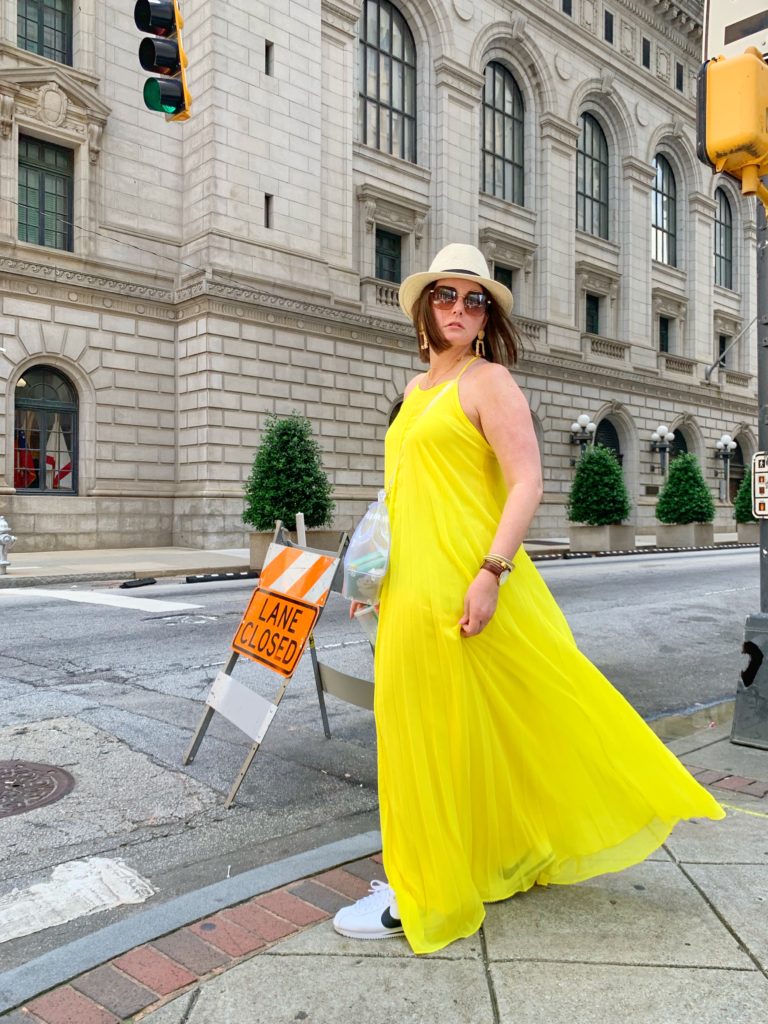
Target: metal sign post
[750, 717]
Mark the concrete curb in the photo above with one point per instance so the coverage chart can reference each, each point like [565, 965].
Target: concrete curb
[95, 577]
[60, 965]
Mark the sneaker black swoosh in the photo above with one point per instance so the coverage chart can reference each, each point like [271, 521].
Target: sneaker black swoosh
[390, 922]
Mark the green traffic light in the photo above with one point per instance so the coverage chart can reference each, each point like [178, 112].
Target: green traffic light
[165, 95]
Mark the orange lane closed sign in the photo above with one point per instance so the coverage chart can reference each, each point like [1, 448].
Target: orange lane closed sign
[275, 630]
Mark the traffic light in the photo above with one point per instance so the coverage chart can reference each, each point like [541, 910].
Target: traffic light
[164, 55]
[732, 117]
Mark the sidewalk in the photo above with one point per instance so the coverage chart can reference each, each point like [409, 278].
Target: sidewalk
[38, 568]
[679, 939]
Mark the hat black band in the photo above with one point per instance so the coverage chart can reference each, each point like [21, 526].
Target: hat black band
[457, 270]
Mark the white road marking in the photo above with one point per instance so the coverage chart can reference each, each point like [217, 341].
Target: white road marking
[139, 604]
[75, 889]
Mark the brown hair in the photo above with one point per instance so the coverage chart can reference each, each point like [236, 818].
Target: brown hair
[502, 341]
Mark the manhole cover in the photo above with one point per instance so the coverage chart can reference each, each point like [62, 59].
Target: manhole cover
[25, 785]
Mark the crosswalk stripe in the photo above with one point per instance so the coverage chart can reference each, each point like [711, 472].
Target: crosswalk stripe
[140, 604]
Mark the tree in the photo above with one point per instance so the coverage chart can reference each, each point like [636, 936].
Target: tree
[598, 495]
[685, 497]
[287, 477]
[742, 506]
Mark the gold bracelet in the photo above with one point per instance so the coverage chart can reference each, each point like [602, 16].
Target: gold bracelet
[501, 560]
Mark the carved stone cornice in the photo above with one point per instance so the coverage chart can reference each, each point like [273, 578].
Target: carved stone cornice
[702, 205]
[638, 172]
[458, 77]
[558, 130]
[684, 15]
[341, 15]
[59, 76]
[244, 302]
[636, 382]
[58, 281]
[498, 247]
[392, 209]
[48, 97]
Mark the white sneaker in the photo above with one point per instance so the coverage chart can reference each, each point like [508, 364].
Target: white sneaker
[375, 916]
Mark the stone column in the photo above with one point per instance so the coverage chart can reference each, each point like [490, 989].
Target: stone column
[556, 202]
[701, 278]
[339, 112]
[636, 316]
[456, 163]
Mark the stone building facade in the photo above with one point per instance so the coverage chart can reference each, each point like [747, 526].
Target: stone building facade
[164, 287]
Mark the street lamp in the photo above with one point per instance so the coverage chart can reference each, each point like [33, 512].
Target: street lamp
[582, 433]
[661, 442]
[726, 446]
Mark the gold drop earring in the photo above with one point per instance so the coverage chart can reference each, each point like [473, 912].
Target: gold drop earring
[480, 344]
[423, 340]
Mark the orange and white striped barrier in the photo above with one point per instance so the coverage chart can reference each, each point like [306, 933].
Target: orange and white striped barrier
[294, 572]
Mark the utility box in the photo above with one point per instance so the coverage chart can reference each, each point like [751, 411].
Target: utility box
[750, 716]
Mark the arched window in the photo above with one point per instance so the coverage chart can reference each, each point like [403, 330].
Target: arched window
[679, 446]
[386, 113]
[664, 213]
[502, 170]
[607, 435]
[723, 241]
[592, 179]
[45, 434]
[736, 472]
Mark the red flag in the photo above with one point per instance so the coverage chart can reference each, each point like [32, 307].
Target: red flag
[24, 473]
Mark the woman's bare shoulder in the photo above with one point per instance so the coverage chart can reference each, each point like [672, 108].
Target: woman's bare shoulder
[414, 382]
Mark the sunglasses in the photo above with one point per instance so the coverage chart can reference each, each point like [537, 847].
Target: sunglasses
[444, 297]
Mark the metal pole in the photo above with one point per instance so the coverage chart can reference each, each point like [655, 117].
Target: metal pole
[750, 716]
[762, 380]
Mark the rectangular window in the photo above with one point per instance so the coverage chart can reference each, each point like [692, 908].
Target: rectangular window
[664, 333]
[269, 204]
[679, 73]
[723, 342]
[567, 7]
[592, 314]
[46, 174]
[269, 58]
[45, 27]
[608, 26]
[646, 53]
[504, 275]
[388, 256]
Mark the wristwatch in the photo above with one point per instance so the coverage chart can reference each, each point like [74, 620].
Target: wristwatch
[501, 570]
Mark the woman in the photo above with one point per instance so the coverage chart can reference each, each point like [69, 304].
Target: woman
[505, 758]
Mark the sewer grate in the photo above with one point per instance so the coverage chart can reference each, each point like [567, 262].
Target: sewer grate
[25, 786]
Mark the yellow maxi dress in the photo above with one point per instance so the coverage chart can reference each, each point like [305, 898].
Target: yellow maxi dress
[506, 759]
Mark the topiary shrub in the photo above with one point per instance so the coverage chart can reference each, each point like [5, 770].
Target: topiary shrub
[742, 506]
[287, 477]
[598, 495]
[685, 497]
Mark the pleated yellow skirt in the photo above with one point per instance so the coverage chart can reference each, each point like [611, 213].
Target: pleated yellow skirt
[507, 759]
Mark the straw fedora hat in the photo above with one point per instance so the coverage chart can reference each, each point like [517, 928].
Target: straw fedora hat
[456, 260]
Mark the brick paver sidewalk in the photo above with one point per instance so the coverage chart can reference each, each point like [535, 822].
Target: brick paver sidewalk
[153, 973]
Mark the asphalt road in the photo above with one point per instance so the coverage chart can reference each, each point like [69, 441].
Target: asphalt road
[112, 693]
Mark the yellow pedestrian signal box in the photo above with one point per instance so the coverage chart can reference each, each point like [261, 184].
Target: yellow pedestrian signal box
[732, 117]
[162, 52]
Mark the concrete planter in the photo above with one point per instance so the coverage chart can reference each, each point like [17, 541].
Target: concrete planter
[748, 533]
[259, 541]
[616, 537]
[688, 535]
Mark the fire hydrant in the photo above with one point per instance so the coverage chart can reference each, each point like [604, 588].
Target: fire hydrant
[7, 540]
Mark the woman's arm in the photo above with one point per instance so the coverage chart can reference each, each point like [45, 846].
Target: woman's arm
[497, 407]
